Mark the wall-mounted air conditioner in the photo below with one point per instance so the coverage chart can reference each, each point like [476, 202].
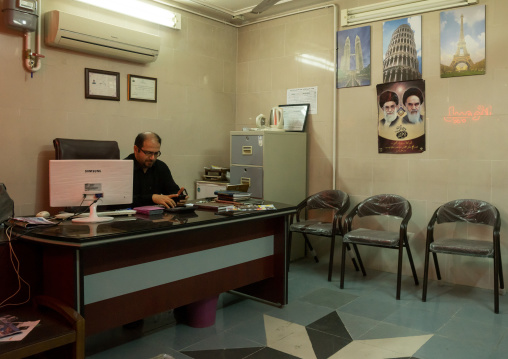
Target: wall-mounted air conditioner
[85, 35]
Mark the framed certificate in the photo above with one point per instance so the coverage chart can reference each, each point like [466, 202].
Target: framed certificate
[295, 116]
[102, 85]
[141, 88]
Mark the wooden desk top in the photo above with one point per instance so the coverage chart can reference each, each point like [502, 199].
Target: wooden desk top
[141, 226]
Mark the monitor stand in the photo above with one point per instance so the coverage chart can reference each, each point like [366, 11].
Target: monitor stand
[93, 218]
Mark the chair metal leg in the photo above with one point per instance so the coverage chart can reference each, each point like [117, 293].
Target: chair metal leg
[501, 280]
[353, 258]
[288, 252]
[343, 265]
[311, 250]
[411, 263]
[359, 259]
[399, 272]
[496, 281]
[330, 264]
[426, 274]
[436, 265]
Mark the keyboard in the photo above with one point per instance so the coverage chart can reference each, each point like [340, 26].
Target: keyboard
[120, 212]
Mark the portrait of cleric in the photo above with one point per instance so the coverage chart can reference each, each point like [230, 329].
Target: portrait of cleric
[401, 117]
[412, 101]
[389, 104]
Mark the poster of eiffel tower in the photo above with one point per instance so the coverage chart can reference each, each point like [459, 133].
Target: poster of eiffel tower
[463, 42]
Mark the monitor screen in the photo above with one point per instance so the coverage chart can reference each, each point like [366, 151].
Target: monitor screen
[79, 182]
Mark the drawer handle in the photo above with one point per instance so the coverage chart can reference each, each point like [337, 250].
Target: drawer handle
[245, 180]
[247, 150]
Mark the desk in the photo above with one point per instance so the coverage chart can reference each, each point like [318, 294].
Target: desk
[134, 267]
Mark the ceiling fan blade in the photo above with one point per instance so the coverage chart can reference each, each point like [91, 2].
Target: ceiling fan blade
[264, 5]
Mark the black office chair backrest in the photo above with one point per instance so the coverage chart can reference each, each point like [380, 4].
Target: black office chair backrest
[468, 210]
[70, 149]
[384, 204]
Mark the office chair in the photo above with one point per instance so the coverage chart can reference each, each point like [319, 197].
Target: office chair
[70, 149]
[380, 205]
[334, 201]
[470, 211]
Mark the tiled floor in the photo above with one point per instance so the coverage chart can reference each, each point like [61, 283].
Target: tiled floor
[363, 320]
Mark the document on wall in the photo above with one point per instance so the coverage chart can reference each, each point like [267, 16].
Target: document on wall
[303, 95]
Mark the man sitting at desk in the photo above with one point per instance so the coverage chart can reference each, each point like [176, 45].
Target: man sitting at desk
[152, 182]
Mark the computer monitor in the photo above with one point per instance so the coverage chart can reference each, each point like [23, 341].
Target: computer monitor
[80, 182]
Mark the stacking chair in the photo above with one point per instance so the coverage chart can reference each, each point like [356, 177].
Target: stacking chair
[380, 205]
[71, 149]
[333, 203]
[470, 211]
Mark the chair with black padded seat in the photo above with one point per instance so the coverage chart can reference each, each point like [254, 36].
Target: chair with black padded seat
[60, 327]
[75, 149]
[471, 212]
[380, 205]
[333, 204]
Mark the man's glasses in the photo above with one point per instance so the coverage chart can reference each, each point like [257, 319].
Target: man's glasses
[150, 154]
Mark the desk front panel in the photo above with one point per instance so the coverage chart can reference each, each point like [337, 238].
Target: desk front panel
[120, 282]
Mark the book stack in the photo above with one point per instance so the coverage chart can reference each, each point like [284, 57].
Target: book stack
[149, 210]
[233, 196]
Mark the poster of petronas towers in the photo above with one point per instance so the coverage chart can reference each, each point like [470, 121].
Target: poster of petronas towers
[402, 49]
[353, 57]
[463, 41]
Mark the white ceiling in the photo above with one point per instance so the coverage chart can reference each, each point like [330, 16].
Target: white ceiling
[238, 12]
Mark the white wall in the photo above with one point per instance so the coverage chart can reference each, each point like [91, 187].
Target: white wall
[194, 113]
[461, 161]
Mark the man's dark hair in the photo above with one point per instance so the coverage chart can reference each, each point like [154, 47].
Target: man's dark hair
[413, 91]
[388, 96]
[141, 137]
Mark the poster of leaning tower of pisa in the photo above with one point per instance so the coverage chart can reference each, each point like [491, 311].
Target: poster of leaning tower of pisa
[402, 49]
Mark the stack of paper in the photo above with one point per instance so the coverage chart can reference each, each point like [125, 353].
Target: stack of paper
[232, 195]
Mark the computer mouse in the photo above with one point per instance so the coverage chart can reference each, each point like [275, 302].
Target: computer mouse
[44, 214]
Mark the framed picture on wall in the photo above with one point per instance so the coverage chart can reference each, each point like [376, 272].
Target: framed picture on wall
[295, 116]
[402, 49]
[463, 42]
[140, 88]
[102, 85]
[353, 57]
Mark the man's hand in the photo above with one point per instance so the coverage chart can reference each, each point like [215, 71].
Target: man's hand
[165, 200]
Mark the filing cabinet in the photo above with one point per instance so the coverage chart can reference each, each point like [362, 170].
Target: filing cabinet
[273, 163]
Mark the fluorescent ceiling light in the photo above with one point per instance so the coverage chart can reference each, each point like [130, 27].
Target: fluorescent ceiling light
[140, 10]
[396, 8]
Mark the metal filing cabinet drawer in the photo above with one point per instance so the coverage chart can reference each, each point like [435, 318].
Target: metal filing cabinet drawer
[247, 150]
[251, 175]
